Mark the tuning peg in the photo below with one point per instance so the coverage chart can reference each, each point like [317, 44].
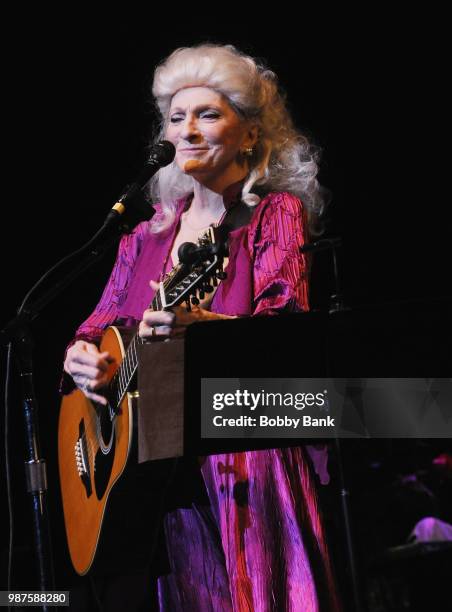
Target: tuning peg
[194, 301]
[207, 288]
[188, 305]
[221, 275]
[201, 294]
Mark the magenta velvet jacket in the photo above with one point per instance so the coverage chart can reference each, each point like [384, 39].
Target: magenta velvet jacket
[265, 275]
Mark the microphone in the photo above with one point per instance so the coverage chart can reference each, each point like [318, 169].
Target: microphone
[161, 155]
[189, 254]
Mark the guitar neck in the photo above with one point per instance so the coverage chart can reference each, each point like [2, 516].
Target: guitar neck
[123, 376]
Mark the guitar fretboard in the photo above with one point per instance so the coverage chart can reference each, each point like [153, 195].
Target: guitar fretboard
[123, 376]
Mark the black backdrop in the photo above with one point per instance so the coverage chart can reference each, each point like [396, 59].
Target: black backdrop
[79, 114]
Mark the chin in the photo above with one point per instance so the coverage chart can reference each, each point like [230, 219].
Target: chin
[192, 166]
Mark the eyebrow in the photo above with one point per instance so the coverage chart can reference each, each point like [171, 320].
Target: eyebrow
[199, 108]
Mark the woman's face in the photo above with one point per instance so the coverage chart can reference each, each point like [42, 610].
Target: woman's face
[209, 137]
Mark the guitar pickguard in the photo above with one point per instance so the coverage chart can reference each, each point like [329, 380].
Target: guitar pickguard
[105, 455]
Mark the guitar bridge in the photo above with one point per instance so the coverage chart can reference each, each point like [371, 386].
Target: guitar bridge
[82, 459]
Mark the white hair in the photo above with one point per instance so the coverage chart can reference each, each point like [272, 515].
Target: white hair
[283, 159]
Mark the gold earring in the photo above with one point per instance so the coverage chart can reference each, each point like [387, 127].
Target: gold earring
[248, 151]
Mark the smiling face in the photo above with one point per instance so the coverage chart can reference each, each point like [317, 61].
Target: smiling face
[209, 137]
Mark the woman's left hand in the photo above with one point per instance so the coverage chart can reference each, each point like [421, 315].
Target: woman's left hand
[164, 324]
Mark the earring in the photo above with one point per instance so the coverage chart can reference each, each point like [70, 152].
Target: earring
[248, 151]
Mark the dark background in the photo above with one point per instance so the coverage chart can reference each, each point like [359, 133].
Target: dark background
[80, 115]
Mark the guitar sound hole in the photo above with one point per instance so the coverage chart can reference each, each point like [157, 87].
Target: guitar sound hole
[106, 424]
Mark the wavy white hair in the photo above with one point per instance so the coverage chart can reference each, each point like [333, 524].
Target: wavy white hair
[283, 159]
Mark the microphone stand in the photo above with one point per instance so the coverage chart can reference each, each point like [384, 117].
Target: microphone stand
[18, 333]
[337, 304]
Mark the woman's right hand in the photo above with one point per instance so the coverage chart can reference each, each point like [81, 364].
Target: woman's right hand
[88, 367]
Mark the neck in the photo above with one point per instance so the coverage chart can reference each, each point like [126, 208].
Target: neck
[206, 202]
[209, 198]
[219, 183]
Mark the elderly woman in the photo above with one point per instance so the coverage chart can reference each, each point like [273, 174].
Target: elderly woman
[236, 146]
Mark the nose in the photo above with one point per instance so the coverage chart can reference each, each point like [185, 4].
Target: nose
[189, 128]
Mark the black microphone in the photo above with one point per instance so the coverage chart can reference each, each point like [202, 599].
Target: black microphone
[161, 155]
[189, 253]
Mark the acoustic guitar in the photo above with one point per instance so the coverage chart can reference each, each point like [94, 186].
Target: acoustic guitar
[96, 442]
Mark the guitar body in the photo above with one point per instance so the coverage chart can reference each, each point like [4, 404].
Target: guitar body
[92, 454]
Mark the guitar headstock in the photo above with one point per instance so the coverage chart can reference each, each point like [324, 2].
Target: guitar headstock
[189, 282]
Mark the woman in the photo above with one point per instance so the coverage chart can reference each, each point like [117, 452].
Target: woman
[235, 143]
